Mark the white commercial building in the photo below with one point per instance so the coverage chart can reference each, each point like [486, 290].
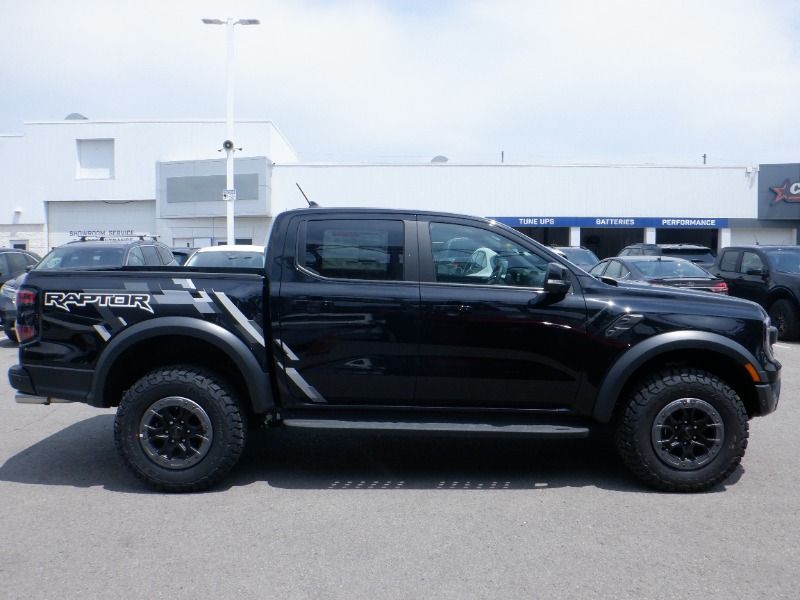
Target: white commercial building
[80, 177]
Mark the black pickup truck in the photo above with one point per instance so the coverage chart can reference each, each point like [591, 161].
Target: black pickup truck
[379, 319]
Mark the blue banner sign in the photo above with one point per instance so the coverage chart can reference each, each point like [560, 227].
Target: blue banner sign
[658, 222]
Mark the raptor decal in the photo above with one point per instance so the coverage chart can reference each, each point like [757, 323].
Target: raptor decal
[64, 300]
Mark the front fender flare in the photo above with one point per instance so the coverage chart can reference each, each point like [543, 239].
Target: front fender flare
[256, 379]
[626, 365]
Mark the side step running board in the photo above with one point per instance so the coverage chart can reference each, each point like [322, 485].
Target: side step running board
[535, 430]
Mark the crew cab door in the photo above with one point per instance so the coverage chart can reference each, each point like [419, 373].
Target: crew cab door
[348, 310]
[489, 334]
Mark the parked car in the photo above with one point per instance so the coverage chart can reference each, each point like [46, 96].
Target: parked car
[660, 270]
[351, 324]
[577, 255]
[13, 263]
[233, 257]
[182, 254]
[769, 275]
[99, 253]
[701, 255]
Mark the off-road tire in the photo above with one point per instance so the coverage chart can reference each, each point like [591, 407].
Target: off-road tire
[634, 438]
[784, 315]
[225, 417]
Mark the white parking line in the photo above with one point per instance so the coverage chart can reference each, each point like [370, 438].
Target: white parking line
[781, 346]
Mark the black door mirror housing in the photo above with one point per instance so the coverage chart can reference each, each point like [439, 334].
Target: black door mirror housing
[556, 280]
[757, 272]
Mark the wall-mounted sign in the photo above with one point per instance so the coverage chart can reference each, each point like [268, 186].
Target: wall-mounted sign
[636, 222]
[779, 191]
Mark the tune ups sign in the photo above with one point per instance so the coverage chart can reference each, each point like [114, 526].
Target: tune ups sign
[779, 191]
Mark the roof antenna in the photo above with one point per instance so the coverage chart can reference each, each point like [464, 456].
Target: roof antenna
[311, 203]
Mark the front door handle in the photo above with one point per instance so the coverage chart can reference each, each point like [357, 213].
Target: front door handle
[463, 308]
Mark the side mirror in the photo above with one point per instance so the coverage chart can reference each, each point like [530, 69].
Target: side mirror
[556, 280]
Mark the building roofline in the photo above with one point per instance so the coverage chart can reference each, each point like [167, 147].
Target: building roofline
[142, 121]
[752, 167]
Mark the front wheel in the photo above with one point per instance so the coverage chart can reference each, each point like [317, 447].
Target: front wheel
[784, 316]
[683, 430]
[180, 429]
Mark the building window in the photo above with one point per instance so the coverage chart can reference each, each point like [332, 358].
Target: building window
[19, 244]
[95, 159]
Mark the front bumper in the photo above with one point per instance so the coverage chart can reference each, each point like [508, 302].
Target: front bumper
[768, 395]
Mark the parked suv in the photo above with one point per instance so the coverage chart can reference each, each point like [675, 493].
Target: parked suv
[700, 255]
[13, 263]
[769, 275]
[99, 253]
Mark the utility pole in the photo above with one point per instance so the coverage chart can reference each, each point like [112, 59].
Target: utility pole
[229, 195]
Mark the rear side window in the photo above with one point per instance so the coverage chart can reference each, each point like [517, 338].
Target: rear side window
[165, 254]
[151, 257]
[354, 249]
[614, 269]
[4, 265]
[728, 261]
[135, 258]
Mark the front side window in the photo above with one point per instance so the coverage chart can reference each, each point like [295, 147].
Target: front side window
[354, 249]
[598, 269]
[465, 254]
[751, 262]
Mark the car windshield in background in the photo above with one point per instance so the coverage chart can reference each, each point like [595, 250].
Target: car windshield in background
[786, 260]
[580, 256]
[82, 257]
[663, 269]
[231, 260]
[693, 255]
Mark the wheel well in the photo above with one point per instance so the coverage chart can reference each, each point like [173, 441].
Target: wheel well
[163, 351]
[781, 295]
[727, 369]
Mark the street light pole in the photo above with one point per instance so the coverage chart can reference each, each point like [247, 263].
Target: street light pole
[230, 191]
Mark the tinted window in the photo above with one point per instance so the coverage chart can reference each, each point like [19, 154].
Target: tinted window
[31, 259]
[464, 254]
[751, 261]
[82, 257]
[786, 260]
[669, 268]
[354, 249]
[694, 254]
[16, 262]
[625, 252]
[150, 255]
[729, 260]
[165, 254]
[598, 268]
[135, 257]
[580, 256]
[227, 259]
[614, 269]
[4, 264]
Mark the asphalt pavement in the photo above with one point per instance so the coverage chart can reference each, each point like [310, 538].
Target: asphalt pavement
[342, 515]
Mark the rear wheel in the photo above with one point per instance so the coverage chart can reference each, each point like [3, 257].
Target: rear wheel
[683, 430]
[784, 316]
[180, 429]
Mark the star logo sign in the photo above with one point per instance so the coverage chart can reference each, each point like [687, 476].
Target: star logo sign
[787, 192]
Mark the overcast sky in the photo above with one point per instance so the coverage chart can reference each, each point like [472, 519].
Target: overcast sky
[554, 81]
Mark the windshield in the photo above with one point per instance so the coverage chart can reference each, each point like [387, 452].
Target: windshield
[231, 260]
[693, 254]
[580, 256]
[660, 269]
[785, 260]
[82, 257]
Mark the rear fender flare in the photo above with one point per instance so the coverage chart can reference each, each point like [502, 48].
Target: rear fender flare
[256, 379]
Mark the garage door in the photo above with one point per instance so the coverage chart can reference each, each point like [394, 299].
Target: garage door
[69, 221]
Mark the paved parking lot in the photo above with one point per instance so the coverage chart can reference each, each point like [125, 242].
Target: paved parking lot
[337, 515]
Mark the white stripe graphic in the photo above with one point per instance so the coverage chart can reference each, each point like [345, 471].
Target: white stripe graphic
[239, 316]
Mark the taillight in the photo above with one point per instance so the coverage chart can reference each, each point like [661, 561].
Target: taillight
[720, 288]
[25, 326]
